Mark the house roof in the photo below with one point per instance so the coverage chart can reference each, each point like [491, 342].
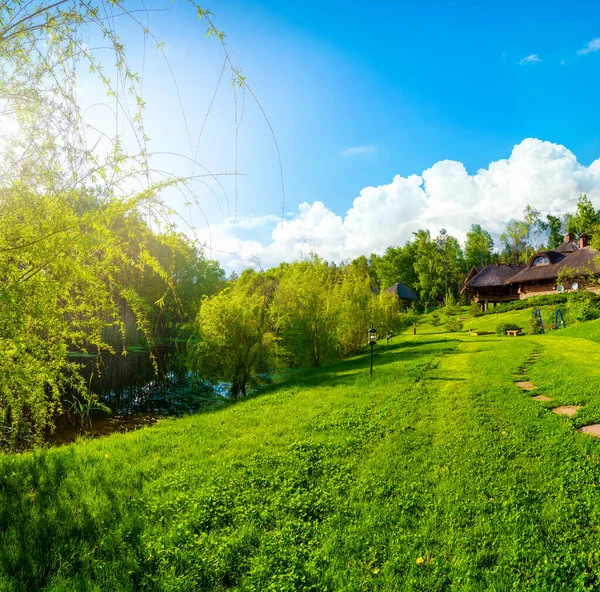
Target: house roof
[401, 291]
[569, 247]
[493, 275]
[474, 271]
[580, 261]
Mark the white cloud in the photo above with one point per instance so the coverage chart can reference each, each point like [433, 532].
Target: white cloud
[534, 58]
[356, 150]
[593, 45]
[544, 175]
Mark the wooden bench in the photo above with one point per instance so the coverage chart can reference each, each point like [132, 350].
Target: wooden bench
[514, 332]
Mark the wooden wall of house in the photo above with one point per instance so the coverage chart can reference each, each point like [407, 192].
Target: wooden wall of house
[545, 288]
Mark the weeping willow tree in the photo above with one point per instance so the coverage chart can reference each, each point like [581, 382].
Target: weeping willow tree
[76, 206]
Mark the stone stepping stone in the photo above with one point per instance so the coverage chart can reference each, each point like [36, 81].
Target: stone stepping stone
[568, 410]
[526, 385]
[593, 430]
[541, 398]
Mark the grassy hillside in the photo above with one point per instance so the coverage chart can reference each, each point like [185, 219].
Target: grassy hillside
[436, 474]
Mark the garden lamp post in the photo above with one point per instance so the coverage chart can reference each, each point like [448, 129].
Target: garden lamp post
[372, 332]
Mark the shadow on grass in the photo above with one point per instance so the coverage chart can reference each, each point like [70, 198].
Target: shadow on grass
[42, 509]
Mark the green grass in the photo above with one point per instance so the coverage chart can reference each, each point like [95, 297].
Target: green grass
[436, 474]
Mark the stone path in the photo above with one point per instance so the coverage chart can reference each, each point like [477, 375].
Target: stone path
[526, 385]
[568, 410]
[542, 398]
[593, 430]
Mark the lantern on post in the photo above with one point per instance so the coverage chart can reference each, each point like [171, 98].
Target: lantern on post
[372, 332]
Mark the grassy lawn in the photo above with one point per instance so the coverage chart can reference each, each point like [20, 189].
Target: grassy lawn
[436, 474]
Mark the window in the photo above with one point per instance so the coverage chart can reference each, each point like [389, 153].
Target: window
[541, 261]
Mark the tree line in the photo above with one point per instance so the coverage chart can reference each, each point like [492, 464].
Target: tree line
[298, 314]
[434, 267]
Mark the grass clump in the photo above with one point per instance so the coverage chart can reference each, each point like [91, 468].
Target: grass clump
[502, 328]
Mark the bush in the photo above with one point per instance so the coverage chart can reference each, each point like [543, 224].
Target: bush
[453, 325]
[532, 302]
[474, 308]
[535, 324]
[584, 306]
[502, 328]
[435, 319]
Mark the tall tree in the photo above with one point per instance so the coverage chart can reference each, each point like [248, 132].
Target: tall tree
[233, 330]
[537, 230]
[584, 218]
[555, 231]
[478, 247]
[514, 240]
[429, 267]
[305, 311]
[396, 265]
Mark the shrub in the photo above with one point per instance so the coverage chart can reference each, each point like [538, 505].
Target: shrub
[453, 325]
[535, 324]
[435, 319]
[474, 308]
[532, 302]
[502, 328]
[584, 306]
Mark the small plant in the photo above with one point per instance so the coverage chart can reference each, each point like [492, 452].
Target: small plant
[435, 319]
[474, 308]
[453, 325]
[450, 305]
[502, 328]
[535, 324]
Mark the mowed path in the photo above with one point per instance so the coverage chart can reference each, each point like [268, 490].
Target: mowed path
[436, 474]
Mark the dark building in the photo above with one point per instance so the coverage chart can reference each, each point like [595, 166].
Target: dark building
[402, 292]
[490, 284]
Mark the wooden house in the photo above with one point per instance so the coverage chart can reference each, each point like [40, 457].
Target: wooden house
[566, 269]
[489, 285]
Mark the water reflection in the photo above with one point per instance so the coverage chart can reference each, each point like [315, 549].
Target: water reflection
[138, 382]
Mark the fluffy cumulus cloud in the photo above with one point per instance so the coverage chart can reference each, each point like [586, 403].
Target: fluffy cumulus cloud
[544, 175]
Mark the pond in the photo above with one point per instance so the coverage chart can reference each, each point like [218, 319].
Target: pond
[136, 382]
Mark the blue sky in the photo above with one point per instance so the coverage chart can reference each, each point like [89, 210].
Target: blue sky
[358, 93]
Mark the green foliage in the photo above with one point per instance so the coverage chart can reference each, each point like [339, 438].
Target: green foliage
[535, 323]
[451, 306]
[502, 328]
[474, 308]
[514, 240]
[453, 325]
[478, 247]
[555, 231]
[304, 311]
[233, 329]
[584, 218]
[325, 482]
[435, 319]
[532, 302]
[584, 306]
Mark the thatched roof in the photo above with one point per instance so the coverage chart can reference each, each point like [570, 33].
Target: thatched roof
[583, 261]
[578, 262]
[402, 292]
[494, 275]
[568, 247]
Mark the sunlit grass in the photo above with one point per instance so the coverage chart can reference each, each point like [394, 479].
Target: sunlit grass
[436, 474]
